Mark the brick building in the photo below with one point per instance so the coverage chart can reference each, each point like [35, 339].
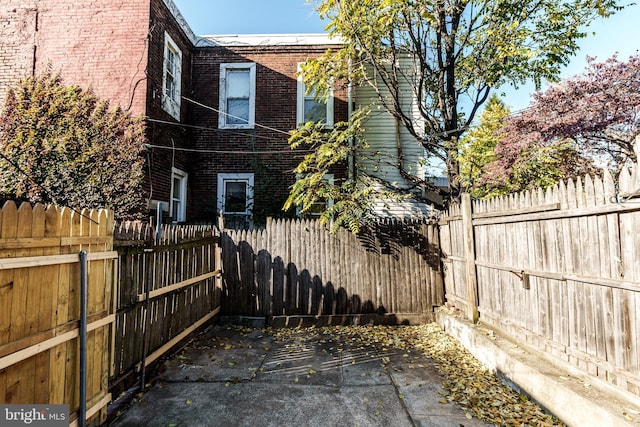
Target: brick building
[143, 56]
[218, 108]
[249, 156]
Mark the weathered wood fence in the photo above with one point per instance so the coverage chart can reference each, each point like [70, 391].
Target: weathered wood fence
[296, 267]
[558, 269]
[40, 306]
[168, 287]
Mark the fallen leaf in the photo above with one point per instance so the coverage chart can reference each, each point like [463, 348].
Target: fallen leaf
[188, 402]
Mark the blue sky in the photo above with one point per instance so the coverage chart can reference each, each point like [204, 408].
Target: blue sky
[620, 33]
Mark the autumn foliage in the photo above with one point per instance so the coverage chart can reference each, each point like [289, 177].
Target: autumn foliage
[61, 144]
[573, 128]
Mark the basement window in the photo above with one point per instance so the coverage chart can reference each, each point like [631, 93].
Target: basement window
[235, 199]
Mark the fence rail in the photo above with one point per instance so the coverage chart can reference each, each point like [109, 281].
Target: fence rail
[39, 296]
[296, 267]
[558, 269]
[168, 287]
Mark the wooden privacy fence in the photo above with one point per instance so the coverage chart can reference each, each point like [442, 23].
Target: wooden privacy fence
[168, 287]
[40, 306]
[296, 267]
[559, 269]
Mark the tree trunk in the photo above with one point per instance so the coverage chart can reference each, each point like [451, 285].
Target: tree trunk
[453, 171]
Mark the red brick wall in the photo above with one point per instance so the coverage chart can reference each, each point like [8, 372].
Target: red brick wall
[267, 153]
[17, 32]
[115, 47]
[100, 44]
[171, 134]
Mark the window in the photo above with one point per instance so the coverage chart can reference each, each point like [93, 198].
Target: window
[312, 110]
[171, 78]
[319, 206]
[178, 206]
[237, 96]
[235, 198]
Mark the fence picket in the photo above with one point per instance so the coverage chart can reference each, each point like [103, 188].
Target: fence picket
[580, 259]
[383, 270]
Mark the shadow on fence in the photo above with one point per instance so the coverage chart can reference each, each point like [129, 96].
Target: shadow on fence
[297, 268]
[168, 287]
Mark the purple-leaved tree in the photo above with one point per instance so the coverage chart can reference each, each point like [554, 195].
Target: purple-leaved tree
[585, 122]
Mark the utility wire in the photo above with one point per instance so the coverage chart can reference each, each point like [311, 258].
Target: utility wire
[196, 150]
[226, 131]
[235, 117]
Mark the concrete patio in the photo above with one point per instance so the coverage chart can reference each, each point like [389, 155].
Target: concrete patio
[240, 377]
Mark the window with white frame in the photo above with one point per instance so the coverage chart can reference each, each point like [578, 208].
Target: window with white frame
[311, 109]
[235, 198]
[178, 206]
[321, 205]
[237, 96]
[171, 77]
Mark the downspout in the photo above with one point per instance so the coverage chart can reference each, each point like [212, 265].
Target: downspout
[351, 161]
[82, 410]
[399, 149]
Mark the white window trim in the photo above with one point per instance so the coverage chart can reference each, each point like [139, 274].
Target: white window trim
[222, 115]
[302, 90]
[183, 177]
[236, 177]
[169, 104]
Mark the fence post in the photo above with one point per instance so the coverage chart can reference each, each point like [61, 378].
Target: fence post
[470, 259]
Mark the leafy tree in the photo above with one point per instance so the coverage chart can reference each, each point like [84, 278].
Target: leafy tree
[61, 144]
[595, 113]
[328, 150]
[461, 50]
[478, 146]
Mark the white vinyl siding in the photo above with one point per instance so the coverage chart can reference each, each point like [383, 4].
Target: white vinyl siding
[382, 132]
